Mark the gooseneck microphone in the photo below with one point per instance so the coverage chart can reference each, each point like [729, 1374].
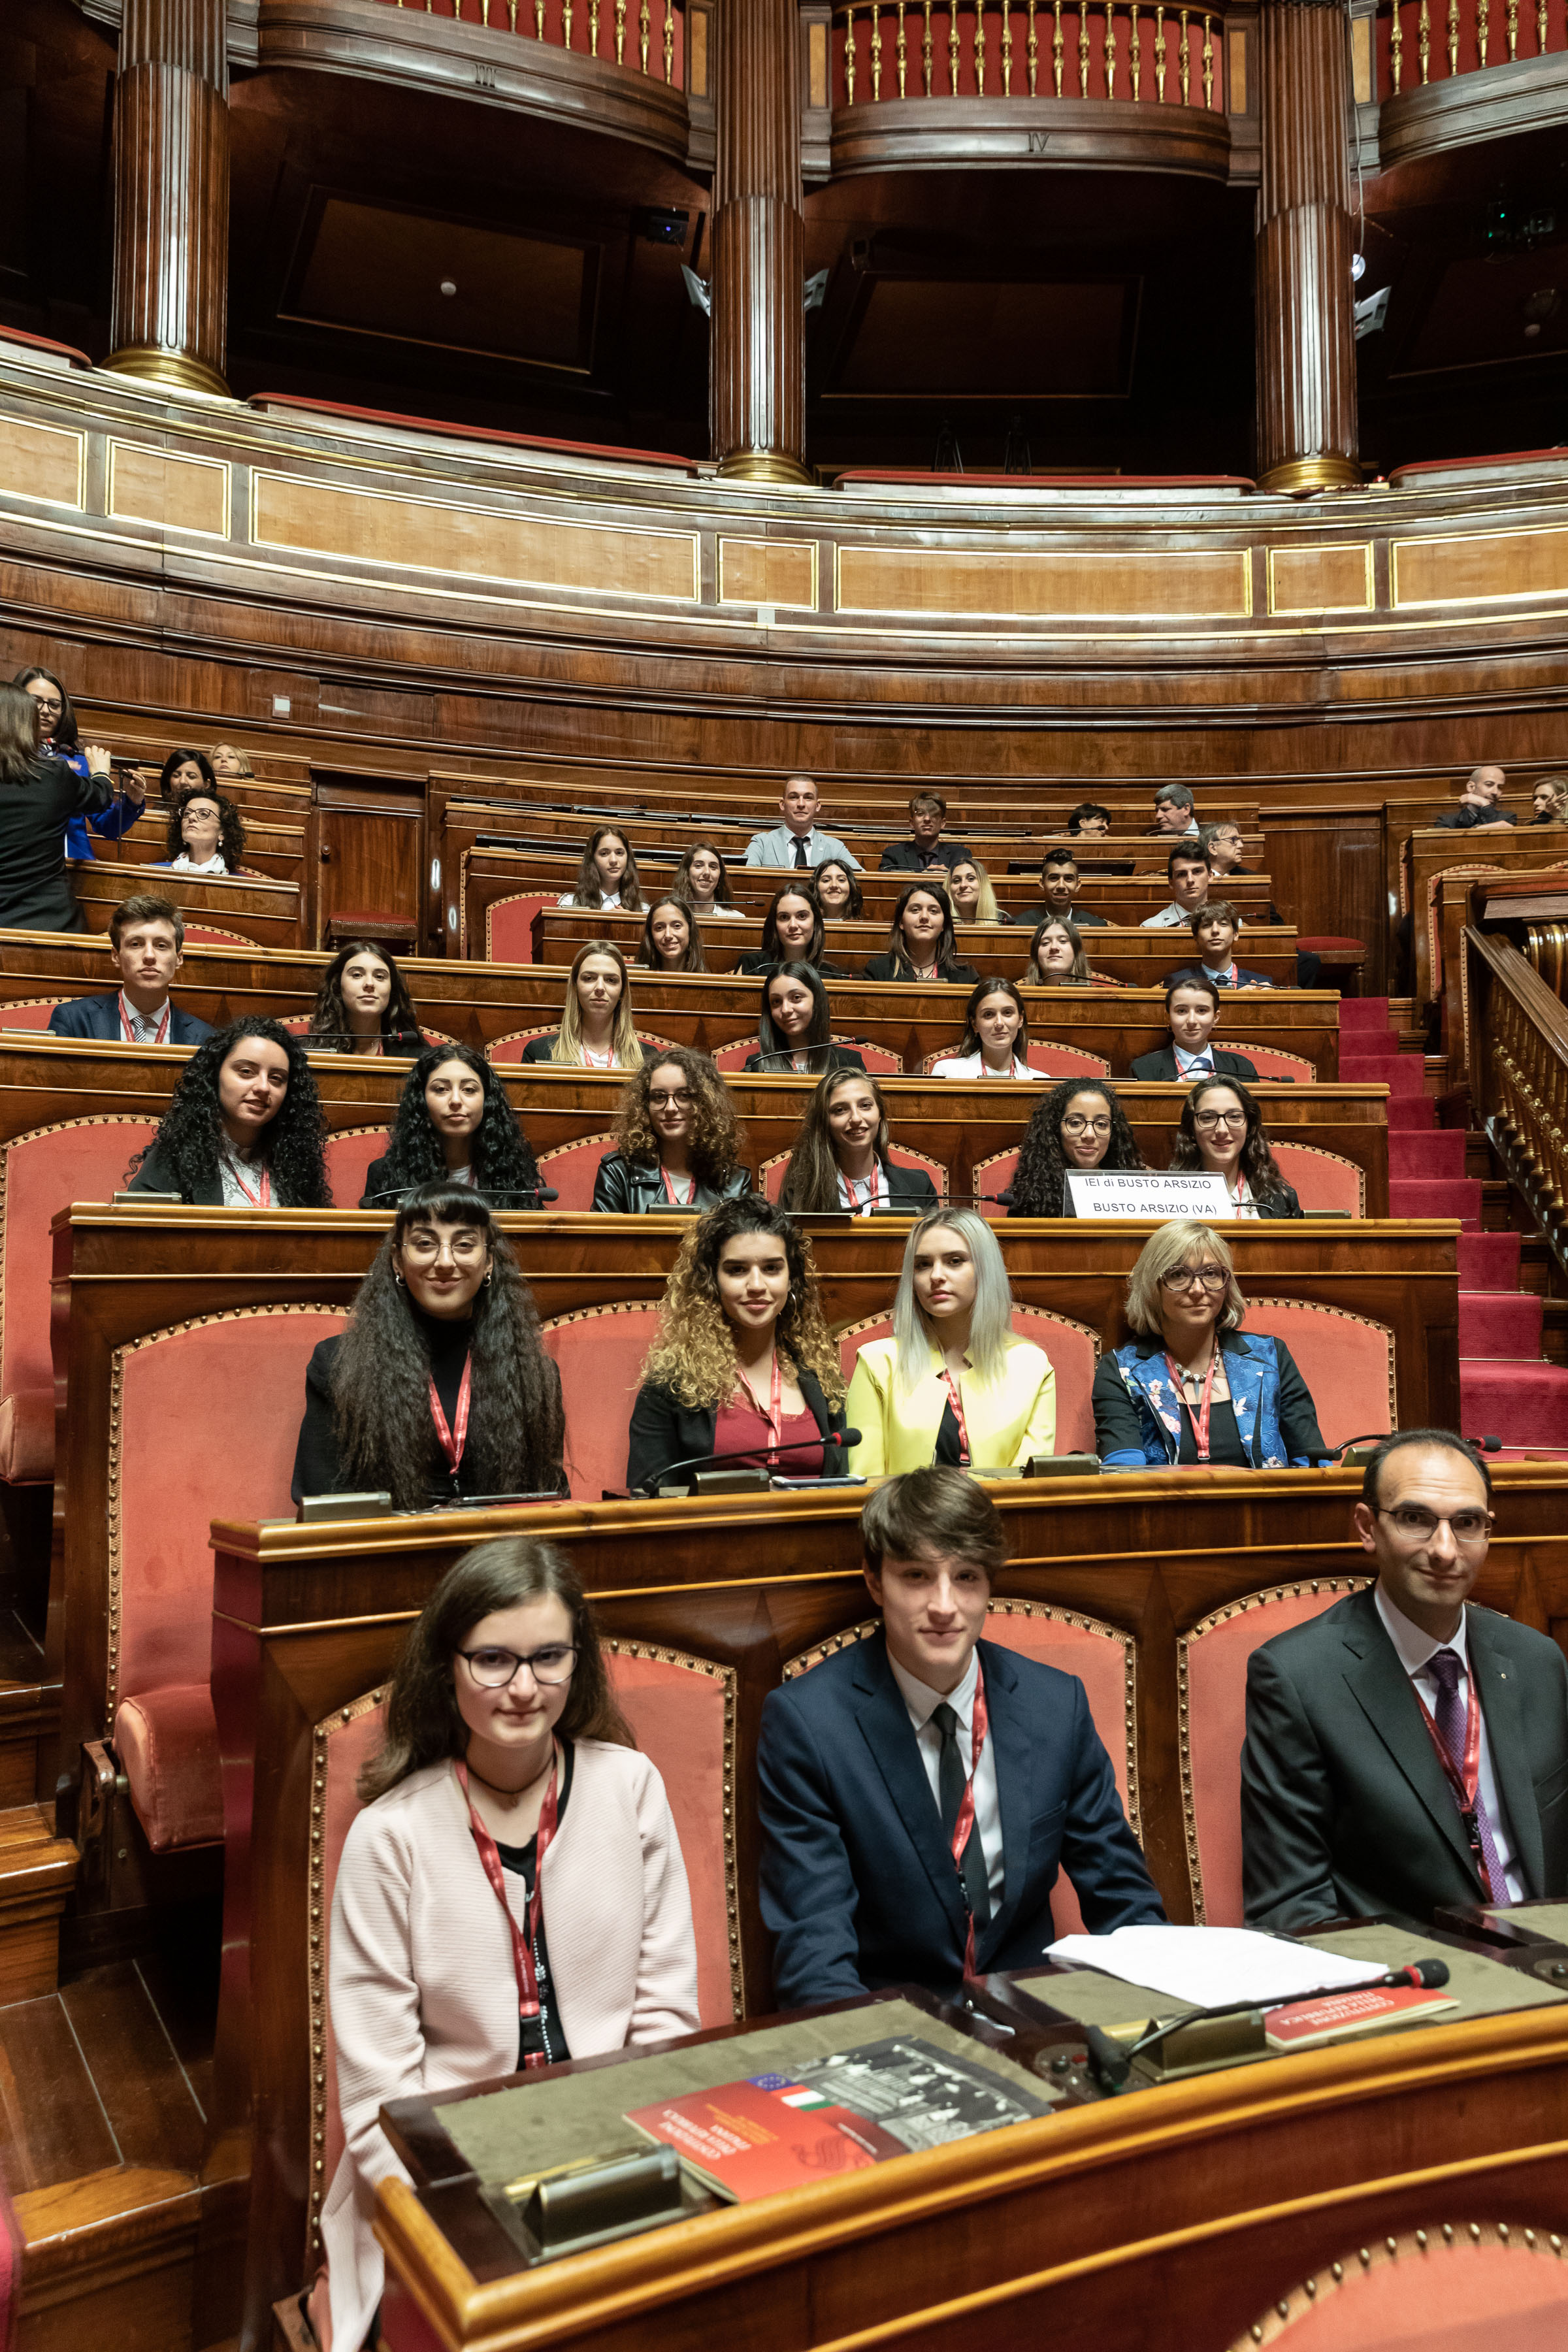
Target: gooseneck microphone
[532, 1196]
[1113, 2064]
[748, 1454]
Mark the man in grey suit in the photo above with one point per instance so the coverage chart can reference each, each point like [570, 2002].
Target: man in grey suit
[798, 841]
[1405, 1749]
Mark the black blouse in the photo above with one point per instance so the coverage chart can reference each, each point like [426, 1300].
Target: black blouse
[543, 2034]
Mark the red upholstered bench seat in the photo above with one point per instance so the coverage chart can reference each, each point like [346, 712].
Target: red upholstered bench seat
[271, 403]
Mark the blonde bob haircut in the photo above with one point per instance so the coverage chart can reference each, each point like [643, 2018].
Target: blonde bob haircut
[1172, 1245]
[991, 1324]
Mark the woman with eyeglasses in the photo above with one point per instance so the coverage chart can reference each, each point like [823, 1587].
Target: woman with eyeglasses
[513, 1893]
[995, 1040]
[439, 1388]
[676, 1143]
[1193, 1387]
[59, 739]
[791, 933]
[1081, 1124]
[922, 944]
[1221, 1134]
[670, 939]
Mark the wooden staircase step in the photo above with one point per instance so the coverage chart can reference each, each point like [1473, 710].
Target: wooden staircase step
[29, 1710]
[38, 1870]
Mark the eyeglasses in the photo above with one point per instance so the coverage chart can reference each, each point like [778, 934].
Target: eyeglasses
[1086, 1127]
[680, 1098]
[1182, 1278]
[1219, 1118]
[494, 1669]
[1418, 1525]
[48, 701]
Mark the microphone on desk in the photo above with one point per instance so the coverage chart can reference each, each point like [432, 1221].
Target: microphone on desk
[1112, 2063]
[533, 1195]
[748, 1454]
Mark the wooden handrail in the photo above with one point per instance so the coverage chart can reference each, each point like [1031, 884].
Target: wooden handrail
[1519, 1077]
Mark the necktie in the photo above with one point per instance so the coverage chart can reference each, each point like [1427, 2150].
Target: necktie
[950, 1780]
[1444, 1669]
[800, 856]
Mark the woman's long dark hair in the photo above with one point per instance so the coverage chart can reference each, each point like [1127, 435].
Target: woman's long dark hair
[693, 960]
[681, 886]
[969, 1042]
[588, 890]
[503, 1161]
[423, 1724]
[811, 1180]
[381, 1374]
[771, 926]
[63, 734]
[1036, 1189]
[854, 906]
[947, 942]
[292, 1145]
[19, 723]
[330, 1019]
[1258, 1164]
[230, 829]
[818, 1037]
[1032, 976]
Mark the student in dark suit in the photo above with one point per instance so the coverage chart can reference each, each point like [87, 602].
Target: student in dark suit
[1221, 1134]
[1347, 1803]
[744, 1363]
[439, 1388]
[244, 1129]
[1191, 1008]
[863, 1764]
[1216, 928]
[795, 1025]
[146, 942]
[925, 847]
[841, 1156]
[1059, 884]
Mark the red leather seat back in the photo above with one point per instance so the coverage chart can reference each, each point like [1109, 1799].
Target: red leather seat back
[1073, 1349]
[1059, 1061]
[30, 1013]
[571, 1167]
[1211, 1667]
[599, 1352]
[1346, 1361]
[1268, 1063]
[509, 926]
[1322, 1180]
[989, 1177]
[1444, 2289]
[879, 1060]
[509, 1049]
[40, 1172]
[349, 1154]
[203, 935]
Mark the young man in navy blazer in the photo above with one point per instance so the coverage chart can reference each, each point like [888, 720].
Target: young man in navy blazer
[864, 1760]
[146, 940]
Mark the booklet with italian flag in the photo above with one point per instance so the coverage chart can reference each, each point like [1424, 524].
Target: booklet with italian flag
[1305, 2023]
[769, 2132]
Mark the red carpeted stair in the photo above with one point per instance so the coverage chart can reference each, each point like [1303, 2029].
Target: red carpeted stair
[1505, 1388]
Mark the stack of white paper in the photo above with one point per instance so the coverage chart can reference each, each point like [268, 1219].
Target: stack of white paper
[1212, 1967]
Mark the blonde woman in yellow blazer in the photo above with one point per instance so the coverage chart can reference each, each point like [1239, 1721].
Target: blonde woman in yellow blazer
[954, 1384]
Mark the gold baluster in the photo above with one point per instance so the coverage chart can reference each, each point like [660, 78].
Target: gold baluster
[980, 48]
[1006, 49]
[511, 12]
[1453, 37]
[593, 27]
[1135, 55]
[903, 51]
[1083, 48]
[485, 14]
[952, 46]
[1110, 48]
[1186, 63]
[643, 32]
[669, 40]
[1483, 26]
[925, 50]
[1034, 51]
[566, 25]
[620, 32]
[1395, 46]
[1512, 30]
[1424, 40]
[849, 51]
[539, 19]
[1160, 52]
[1209, 62]
[1056, 45]
[876, 51]
[1540, 27]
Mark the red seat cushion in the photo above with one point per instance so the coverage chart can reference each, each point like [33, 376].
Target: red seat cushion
[1270, 1063]
[1440, 2289]
[571, 1167]
[509, 926]
[1321, 1179]
[599, 1353]
[1346, 1361]
[1064, 1061]
[30, 1013]
[349, 1154]
[166, 1742]
[28, 1437]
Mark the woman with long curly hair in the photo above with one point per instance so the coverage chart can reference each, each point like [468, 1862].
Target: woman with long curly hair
[596, 1029]
[791, 933]
[840, 1158]
[509, 1804]
[245, 1127]
[607, 878]
[670, 939]
[454, 1126]
[995, 1040]
[205, 834]
[703, 883]
[363, 1005]
[795, 1026]
[676, 1143]
[1081, 1124]
[1221, 1134]
[920, 943]
[439, 1387]
[744, 1364]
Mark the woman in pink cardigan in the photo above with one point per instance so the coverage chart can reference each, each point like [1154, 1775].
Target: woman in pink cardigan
[513, 1893]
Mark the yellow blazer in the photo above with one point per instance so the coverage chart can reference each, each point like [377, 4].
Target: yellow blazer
[1008, 1421]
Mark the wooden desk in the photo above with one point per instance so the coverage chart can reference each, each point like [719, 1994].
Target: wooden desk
[307, 1619]
[255, 907]
[1523, 849]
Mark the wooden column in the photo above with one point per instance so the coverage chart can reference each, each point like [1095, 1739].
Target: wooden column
[1306, 317]
[757, 394]
[171, 193]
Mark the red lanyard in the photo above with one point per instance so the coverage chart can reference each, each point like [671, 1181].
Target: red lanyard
[259, 1200]
[979, 1725]
[774, 1416]
[669, 1191]
[452, 1442]
[1201, 1417]
[522, 1947]
[955, 1395]
[873, 1189]
[1465, 1786]
[129, 1035]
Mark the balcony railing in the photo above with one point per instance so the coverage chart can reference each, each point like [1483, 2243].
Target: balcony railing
[641, 37]
[1126, 49]
[1424, 41]
[1519, 1076]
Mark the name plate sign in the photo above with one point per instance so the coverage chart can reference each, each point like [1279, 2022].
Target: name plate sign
[1144, 1192]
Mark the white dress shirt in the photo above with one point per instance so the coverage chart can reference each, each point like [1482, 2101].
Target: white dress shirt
[972, 1066]
[607, 905]
[920, 1699]
[1194, 1066]
[1415, 1651]
[1167, 918]
[144, 1026]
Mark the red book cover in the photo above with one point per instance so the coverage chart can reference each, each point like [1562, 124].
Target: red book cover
[1300, 2023]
